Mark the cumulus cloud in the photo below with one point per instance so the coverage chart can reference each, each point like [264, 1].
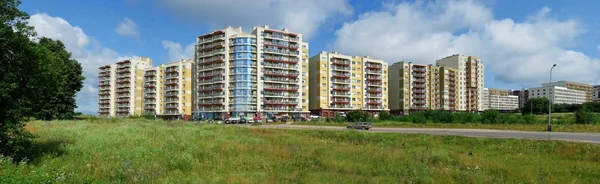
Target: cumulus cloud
[84, 49]
[177, 52]
[128, 28]
[515, 52]
[300, 16]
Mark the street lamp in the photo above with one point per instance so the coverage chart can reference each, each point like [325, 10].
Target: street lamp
[550, 101]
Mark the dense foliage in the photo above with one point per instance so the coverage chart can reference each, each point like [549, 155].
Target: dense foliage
[38, 79]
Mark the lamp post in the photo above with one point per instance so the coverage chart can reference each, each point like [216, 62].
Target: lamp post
[550, 101]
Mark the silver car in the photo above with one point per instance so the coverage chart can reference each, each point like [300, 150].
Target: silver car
[360, 125]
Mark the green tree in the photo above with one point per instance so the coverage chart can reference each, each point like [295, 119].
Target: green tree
[585, 116]
[535, 105]
[491, 117]
[357, 115]
[36, 79]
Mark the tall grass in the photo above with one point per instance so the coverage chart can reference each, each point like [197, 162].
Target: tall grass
[138, 150]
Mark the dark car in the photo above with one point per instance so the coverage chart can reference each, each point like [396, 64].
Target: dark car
[360, 125]
[299, 119]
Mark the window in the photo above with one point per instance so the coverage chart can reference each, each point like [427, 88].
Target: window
[324, 65]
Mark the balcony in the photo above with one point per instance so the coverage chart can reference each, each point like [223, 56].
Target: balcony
[282, 45]
[341, 88]
[374, 78]
[281, 102]
[280, 88]
[210, 95]
[280, 94]
[374, 95]
[210, 66]
[150, 97]
[419, 69]
[289, 60]
[416, 75]
[342, 68]
[419, 91]
[374, 71]
[374, 83]
[340, 94]
[341, 106]
[419, 86]
[336, 80]
[210, 60]
[280, 108]
[209, 109]
[218, 35]
[282, 74]
[283, 66]
[168, 95]
[374, 66]
[212, 52]
[280, 79]
[281, 51]
[210, 102]
[341, 75]
[171, 83]
[170, 70]
[419, 102]
[341, 62]
[207, 47]
[211, 88]
[211, 81]
[341, 101]
[374, 90]
[419, 96]
[150, 74]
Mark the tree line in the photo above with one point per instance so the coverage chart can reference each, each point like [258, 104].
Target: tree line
[38, 79]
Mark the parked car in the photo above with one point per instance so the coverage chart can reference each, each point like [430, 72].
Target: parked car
[299, 119]
[315, 117]
[360, 125]
[341, 114]
[257, 120]
[232, 121]
[284, 118]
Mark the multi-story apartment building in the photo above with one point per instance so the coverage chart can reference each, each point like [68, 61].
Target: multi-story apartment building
[523, 95]
[153, 90]
[342, 83]
[168, 90]
[255, 74]
[106, 90]
[558, 94]
[471, 79]
[415, 87]
[588, 89]
[499, 99]
[125, 84]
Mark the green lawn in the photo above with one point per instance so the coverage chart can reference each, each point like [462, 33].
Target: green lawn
[520, 127]
[108, 150]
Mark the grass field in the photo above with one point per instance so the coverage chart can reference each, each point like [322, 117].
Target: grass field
[520, 127]
[109, 150]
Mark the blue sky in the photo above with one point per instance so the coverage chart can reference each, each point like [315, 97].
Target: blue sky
[518, 40]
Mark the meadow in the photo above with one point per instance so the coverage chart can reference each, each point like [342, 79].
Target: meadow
[137, 150]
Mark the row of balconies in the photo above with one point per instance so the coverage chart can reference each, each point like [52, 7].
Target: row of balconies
[282, 44]
[288, 37]
[374, 66]
[281, 51]
[212, 52]
[210, 66]
[212, 38]
[281, 87]
[280, 94]
[281, 59]
[281, 79]
[280, 102]
[340, 80]
[343, 68]
[374, 71]
[211, 80]
[282, 73]
[209, 46]
[341, 62]
[211, 60]
[218, 87]
[280, 65]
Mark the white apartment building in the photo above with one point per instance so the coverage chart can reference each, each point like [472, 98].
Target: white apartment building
[257, 74]
[168, 89]
[470, 81]
[558, 95]
[499, 100]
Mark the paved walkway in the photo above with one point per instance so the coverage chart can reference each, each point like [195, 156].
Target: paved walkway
[565, 136]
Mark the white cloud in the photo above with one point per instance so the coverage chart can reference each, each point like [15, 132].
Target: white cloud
[84, 49]
[176, 52]
[598, 47]
[516, 52]
[128, 28]
[300, 16]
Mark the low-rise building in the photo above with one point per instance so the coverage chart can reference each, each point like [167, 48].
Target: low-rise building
[588, 89]
[523, 95]
[558, 95]
[499, 99]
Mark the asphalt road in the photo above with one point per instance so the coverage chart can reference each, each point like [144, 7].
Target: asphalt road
[564, 136]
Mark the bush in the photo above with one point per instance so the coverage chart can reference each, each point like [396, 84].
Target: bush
[148, 116]
[357, 115]
[491, 117]
[418, 117]
[528, 119]
[584, 116]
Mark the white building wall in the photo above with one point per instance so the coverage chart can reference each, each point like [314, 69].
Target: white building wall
[558, 95]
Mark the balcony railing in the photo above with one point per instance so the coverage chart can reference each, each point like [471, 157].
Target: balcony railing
[341, 75]
[208, 108]
[212, 80]
[281, 102]
[374, 95]
[211, 88]
[281, 51]
[289, 60]
[341, 88]
[341, 62]
[210, 94]
[206, 47]
[205, 75]
[374, 78]
[374, 83]
[340, 94]
[374, 66]
[280, 94]
[280, 79]
[341, 106]
[346, 68]
[339, 80]
[280, 88]
[285, 66]
[210, 67]
[289, 74]
[212, 38]
[212, 52]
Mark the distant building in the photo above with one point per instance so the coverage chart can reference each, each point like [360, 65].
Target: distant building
[470, 80]
[596, 95]
[588, 89]
[523, 95]
[168, 89]
[120, 87]
[499, 99]
[558, 95]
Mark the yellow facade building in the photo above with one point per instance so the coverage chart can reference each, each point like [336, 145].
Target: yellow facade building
[341, 83]
[168, 90]
[121, 87]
